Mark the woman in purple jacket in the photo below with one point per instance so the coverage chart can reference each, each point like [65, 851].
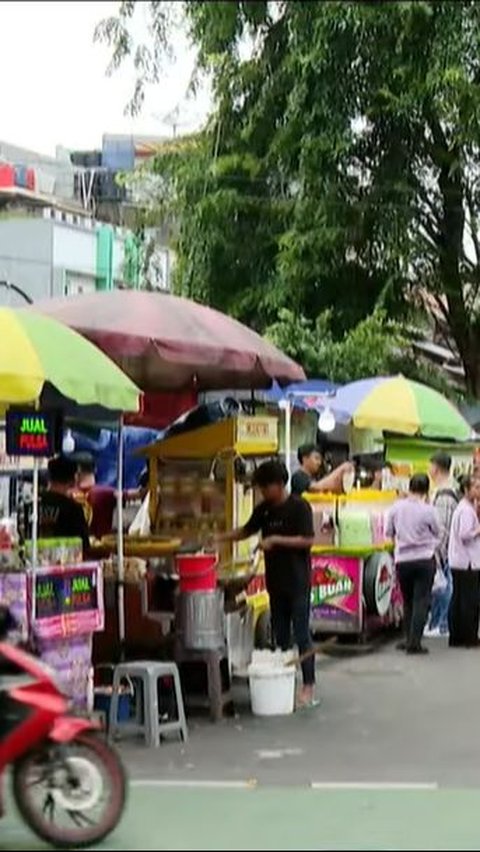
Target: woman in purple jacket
[413, 525]
[464, 558]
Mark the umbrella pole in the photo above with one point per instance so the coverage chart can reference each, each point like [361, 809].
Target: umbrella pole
[34, 543]
[288, 436]
[120, 556]
[35, 516]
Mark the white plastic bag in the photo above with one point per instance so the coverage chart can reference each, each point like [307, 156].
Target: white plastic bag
[440, 581]
[141, 522]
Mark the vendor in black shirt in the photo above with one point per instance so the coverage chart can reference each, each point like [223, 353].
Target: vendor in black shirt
[286, 524]
[59, 515]
[308, 476]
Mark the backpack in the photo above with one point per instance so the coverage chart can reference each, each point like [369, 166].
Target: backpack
[446, 492]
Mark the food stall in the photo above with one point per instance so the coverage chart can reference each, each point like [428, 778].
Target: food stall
[149, 594]
[56, 598]
[59, 606]
[412, 455]
[200, 484]
[404, 422]
[354, 590]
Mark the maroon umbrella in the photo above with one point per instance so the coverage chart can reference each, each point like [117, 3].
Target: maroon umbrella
[164, 342]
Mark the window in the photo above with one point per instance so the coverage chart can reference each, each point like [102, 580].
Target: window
[75, 285]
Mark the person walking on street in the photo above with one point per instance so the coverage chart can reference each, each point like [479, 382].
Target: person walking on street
[286, 525]
[445, 500]
[414, 527]
[464, 559]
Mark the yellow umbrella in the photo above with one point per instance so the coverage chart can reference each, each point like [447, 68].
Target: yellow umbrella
[35, 350]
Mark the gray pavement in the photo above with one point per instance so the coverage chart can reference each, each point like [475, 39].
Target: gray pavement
[390, 760]
[383, 718]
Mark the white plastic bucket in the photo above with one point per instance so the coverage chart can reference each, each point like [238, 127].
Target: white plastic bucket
[272, 684]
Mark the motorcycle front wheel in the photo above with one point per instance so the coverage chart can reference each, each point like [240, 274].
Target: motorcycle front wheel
[73, 796]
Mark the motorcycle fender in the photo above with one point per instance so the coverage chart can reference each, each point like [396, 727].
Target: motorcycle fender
[67, 728]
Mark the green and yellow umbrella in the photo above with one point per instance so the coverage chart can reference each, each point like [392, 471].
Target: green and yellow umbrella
[397, 404]
[36, 350]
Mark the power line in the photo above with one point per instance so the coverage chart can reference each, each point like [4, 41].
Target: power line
[18, 290]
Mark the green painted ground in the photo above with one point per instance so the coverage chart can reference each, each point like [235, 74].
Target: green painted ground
[283, 819]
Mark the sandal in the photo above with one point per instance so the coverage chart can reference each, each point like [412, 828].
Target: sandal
[307, 705]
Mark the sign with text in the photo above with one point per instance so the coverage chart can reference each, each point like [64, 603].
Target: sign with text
[68, 601]
[14, 464]
[253, 432]
[33, 433]
[337, 594]
[65, 593]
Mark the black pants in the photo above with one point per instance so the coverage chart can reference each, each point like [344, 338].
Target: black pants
[464, 609]
[416, 580]
[293, 610]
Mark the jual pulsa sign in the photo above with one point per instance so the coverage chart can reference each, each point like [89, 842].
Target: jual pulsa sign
[32, 432]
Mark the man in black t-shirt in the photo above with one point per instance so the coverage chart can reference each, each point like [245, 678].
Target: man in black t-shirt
[286, 525]
[306, 478]
[59, 515]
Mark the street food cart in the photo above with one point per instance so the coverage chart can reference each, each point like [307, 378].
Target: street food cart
[56, 597]
[412, 455]
[353, 583]
[58, 606]
[354, 590]
[200, 484]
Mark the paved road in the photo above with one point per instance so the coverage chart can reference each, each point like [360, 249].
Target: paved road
[391, 760]
[288, 819]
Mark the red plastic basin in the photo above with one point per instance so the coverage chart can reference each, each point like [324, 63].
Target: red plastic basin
[197, 571]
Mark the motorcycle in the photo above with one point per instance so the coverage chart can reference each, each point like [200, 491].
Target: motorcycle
[68, 784]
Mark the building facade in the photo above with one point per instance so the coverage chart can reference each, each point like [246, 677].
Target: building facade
[54, 242]
[53, 253]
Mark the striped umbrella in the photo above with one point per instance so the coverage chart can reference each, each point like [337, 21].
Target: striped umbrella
[396, 404]
[36, 351]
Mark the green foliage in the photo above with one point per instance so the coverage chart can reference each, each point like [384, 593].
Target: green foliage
[340, 170]
[376, 346]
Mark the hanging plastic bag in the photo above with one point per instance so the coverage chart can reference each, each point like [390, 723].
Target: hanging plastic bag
[141, 522]
[440, 581]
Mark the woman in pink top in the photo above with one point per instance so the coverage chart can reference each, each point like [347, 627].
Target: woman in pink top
[464, 558]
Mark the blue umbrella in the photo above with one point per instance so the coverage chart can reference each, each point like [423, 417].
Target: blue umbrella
[308, 395]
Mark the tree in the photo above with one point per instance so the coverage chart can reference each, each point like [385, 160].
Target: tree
[376, 346]
[237, 209]
[398, 86]
[341, 167]
[371, 348]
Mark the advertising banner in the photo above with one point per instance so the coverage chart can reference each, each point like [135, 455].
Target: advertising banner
[337, 594]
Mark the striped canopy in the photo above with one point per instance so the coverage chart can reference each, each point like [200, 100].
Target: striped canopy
[36, 351]
[396, 404]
